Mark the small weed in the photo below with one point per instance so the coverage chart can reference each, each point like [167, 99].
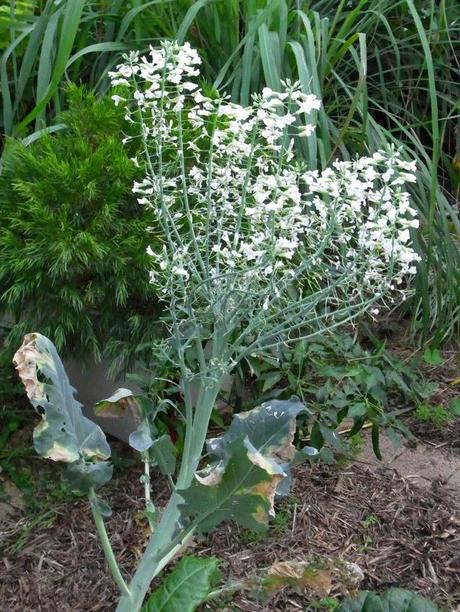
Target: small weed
[284, 515]
[326, 603]
[43, 520]
[367, 542]
[253, 538]
[439, 416]
[281, 522]
[369, 520]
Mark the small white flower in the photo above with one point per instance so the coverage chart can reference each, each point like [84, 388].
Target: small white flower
[306, 130]
[308, 104]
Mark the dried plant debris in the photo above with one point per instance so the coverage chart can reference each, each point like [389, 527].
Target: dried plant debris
[385, 531]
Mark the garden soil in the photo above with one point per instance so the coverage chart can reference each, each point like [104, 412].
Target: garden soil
[400, 530]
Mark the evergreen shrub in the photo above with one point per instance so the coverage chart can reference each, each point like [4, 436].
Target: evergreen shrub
[73, 240]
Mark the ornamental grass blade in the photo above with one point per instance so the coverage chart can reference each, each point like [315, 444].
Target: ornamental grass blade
[186, 587]
[242, 489]
[64, 433]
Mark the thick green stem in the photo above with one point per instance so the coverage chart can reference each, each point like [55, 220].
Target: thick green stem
[162, 547]
[147, 491]
[106, 546]
[169, 536]
[203, 411]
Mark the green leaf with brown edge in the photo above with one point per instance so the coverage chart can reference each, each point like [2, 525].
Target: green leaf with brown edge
[242, 489]
[270, 428]
[298, 575]
[124, 401]
[64, 433]
[186, 587]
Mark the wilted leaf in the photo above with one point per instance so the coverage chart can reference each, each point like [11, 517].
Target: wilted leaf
[139, 407]
[140, 439]
[64, 434]
[242, 489]
[270, 428]
[186, 587]
[250, 463]
[124, 402]
[297, 575]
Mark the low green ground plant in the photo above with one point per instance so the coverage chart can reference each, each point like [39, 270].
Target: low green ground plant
[438, 415]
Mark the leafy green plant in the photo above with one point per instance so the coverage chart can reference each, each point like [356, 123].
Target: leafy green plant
[250, 461]
[186, 587]
[369, 520]
[339, 379]
[393, 600]
[439, 415]
[73, 238]
[244, 260]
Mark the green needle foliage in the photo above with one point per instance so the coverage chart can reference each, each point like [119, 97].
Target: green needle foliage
[73, 237]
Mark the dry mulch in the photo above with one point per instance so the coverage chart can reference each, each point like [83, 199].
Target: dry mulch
[397, 533]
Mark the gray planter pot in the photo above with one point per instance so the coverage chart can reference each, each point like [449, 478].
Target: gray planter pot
[93, 384]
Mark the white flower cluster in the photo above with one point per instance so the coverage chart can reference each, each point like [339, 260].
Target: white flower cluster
[233, 202]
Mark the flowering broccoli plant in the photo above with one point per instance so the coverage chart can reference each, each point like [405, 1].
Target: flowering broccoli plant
[251, 249]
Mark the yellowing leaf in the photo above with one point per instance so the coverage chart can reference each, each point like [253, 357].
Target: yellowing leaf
[64, 433]
[298, 575]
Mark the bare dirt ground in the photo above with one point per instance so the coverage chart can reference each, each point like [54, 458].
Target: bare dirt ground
[422, 463]
[397, 532]
[398, 520]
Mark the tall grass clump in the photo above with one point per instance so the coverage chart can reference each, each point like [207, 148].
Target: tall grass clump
[47, 43]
